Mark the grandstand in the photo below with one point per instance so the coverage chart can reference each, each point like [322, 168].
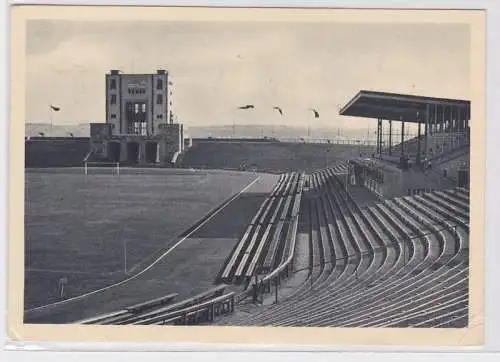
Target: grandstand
[390, 263]
[340, 240]
[267, 155]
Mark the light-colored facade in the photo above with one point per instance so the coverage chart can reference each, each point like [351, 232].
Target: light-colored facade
[139, 126]
[138, 103]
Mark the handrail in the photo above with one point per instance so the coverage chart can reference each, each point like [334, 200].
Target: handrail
[291, 253]
[282, 266]
[182, 304]
[87, 156]
[152, 303]
[181, 312]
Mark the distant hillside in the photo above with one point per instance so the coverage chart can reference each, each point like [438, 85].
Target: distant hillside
[249, 131]
[257, 131]
[63, 130]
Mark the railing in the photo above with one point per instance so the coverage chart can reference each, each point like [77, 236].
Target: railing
[264, 285]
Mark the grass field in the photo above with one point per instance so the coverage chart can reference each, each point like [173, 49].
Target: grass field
[78, 227]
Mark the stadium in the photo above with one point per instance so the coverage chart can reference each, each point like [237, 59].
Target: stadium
[133, 226]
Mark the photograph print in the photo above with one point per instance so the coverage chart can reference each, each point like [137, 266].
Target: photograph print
[254, 171]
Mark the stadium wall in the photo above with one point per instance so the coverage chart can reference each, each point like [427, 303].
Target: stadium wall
[387, 181]
[266, 155]
[56, 152]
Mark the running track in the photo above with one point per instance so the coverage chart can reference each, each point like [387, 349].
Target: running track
[187, 267]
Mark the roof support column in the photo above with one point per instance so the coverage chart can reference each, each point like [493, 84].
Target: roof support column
[435, 119]
[467, 124]
[418, 138]
[426, 128]
[390, 137]
[460, 126]
[441, 126]
[379, 136]
[453, 126]
[402, 137]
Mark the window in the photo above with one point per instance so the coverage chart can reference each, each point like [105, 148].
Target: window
[112, 84]
[159, 116]
[113, 99]
[113, 116]
[159, 83]
[159, 99]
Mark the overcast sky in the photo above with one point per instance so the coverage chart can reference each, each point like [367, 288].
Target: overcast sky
[217, 67]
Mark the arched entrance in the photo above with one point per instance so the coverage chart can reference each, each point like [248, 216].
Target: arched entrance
[133, 152]
[151, 150]
[114, 151]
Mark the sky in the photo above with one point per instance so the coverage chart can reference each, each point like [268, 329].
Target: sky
[216, 67]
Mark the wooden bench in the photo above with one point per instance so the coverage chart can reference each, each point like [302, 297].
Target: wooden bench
[211, 293]
[216, 302]
[140, 307]
[103, 318]
[246, 255]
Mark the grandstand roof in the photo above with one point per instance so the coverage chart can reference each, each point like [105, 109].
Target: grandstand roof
[396, 107]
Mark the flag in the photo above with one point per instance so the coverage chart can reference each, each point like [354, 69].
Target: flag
[316, 113]
[54, 108]
[248, 106]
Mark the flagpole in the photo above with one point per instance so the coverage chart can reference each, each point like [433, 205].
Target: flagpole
[50, 113]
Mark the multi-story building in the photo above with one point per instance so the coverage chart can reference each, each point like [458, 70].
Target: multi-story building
[138, 103]
[140, 125]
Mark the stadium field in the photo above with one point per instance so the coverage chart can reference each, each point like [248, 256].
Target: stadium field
[86, 228]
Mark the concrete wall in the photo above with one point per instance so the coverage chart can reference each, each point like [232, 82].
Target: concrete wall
[56, 152]
[172, 140]
[383, 182]
[99, 134]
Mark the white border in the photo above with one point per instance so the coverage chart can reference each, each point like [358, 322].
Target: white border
[492, 315]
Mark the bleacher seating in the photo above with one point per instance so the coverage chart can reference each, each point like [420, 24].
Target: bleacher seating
[265, 243]
[275, 157]
[396, 263]
[400, 262]
[160, 311]
[437, 144]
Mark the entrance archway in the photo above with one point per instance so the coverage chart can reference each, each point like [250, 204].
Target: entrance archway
[151, 150]
[114, 151]
[133, 152]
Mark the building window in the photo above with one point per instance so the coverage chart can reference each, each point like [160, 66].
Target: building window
[112, 84]
[159, 83]
[113, 116]
[159, 99]
[113, 99]
[159, 116]
[136, 91]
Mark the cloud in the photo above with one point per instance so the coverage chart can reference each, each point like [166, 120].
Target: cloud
[217, 67]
